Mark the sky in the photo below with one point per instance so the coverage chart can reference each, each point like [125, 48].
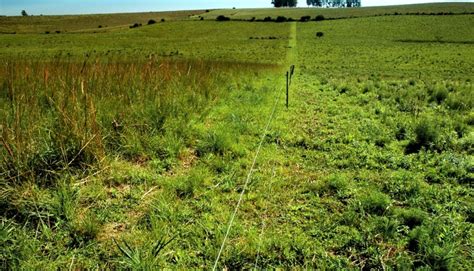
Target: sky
[57, 7]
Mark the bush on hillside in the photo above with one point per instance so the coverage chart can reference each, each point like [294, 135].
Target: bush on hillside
[135, 25]
[268, 19]
[319, 18]
[222, 18]
[151, 21]
[281, 19]
[305, 19]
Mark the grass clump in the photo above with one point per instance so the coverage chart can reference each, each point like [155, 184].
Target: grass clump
[434, 247]
[374, 202]
[439, 95]
[412, 217]
[335, 185]
[214, 142]
[426, 137]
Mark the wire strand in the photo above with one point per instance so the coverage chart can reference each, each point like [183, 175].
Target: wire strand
[249, 175]
[262, 230]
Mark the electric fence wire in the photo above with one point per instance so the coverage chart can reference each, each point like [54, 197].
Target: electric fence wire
[247, 181]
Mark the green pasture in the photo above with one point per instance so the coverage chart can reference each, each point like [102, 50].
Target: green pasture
[128, 149]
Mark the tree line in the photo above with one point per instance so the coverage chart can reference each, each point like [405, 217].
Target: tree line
[318, 3]
[334, 3]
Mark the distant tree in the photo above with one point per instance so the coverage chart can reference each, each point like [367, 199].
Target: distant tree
[284, 3]
[23, 13]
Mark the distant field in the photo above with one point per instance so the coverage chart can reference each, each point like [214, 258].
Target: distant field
[181, 39]
[111, 22]
[73, 23]
[297, 13]
[128, 149]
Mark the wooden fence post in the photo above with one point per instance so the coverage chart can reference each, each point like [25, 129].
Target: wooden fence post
[287, 88]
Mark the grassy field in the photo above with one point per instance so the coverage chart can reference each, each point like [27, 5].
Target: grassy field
[129, 148]
[87, 23]
[297, 13]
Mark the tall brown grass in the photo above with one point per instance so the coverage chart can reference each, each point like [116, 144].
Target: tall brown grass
[63, 115]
